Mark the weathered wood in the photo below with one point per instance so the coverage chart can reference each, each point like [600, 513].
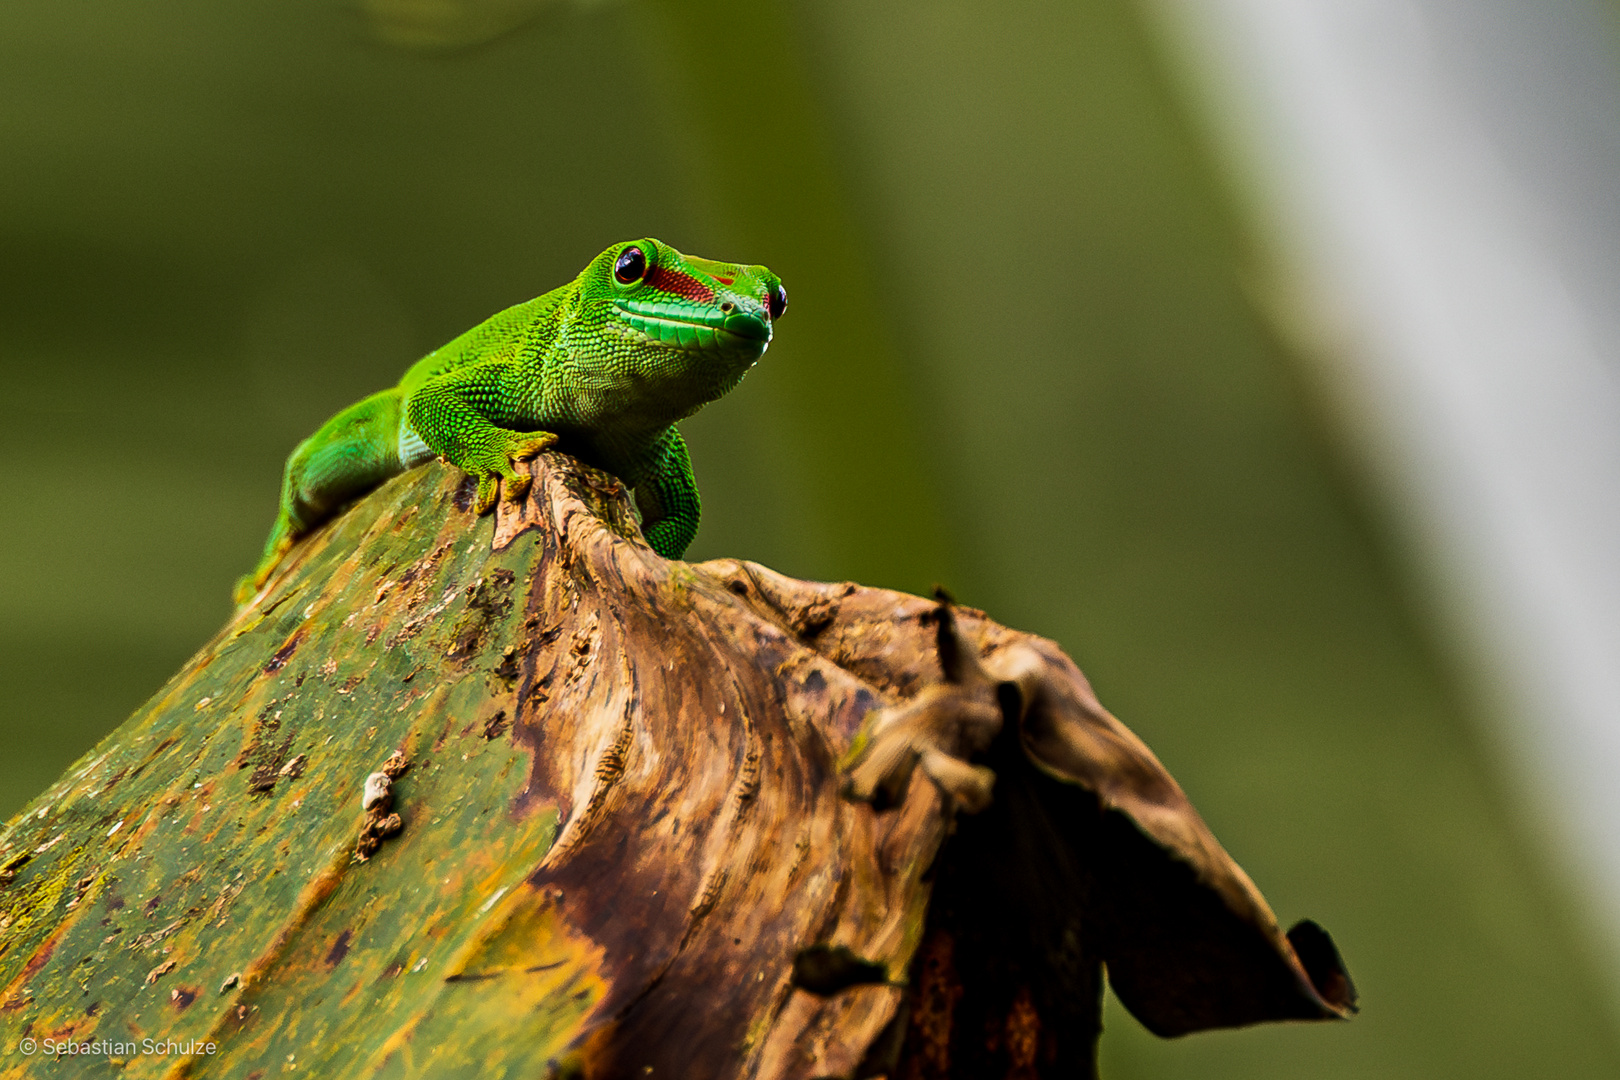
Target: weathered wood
[623, 845]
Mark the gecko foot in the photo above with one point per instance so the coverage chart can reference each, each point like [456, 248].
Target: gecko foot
[500, 471]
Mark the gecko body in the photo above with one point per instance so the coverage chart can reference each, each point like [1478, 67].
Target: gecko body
[601, 368]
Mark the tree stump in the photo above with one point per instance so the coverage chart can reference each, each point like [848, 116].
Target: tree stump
[519, 798]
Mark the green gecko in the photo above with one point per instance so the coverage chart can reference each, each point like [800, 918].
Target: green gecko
[600, 368]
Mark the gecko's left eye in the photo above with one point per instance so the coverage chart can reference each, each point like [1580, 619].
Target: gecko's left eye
[631, 267]
[777, 300]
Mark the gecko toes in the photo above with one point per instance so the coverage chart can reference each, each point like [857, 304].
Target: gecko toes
[516, 486]
[484, 500]
[526, 448]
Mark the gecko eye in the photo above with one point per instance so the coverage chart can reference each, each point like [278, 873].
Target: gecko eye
[777, 300]
[631, 267]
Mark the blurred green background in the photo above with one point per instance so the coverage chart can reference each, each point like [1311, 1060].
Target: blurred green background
[1019, 361]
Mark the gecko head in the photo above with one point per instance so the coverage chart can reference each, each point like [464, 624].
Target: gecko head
[692, 326]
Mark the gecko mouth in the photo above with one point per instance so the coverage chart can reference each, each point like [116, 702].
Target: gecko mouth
[695, 328]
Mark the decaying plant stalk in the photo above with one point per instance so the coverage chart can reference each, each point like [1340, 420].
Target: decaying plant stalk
[660, 819]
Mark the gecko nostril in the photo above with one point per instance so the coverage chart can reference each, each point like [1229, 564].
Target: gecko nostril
[728, 307]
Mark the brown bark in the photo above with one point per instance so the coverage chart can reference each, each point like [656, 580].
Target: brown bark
[625, 817]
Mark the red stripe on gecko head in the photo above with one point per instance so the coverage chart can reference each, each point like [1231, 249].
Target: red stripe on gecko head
[673, 281]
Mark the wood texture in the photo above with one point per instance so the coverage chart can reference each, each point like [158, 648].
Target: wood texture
[611, 833]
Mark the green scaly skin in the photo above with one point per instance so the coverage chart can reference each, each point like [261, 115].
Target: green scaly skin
[600, 368]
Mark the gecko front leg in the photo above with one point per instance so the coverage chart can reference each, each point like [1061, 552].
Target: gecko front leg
[667, 497]
[445, 414]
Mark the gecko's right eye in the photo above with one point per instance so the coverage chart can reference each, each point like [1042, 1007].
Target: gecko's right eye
[631, 267]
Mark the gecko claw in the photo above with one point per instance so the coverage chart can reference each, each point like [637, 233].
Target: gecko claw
[516, 486]
[531, 445]
[501, 460]
[484, 499]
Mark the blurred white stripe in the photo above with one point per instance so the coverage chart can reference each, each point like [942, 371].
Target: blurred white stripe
[1439, 181]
